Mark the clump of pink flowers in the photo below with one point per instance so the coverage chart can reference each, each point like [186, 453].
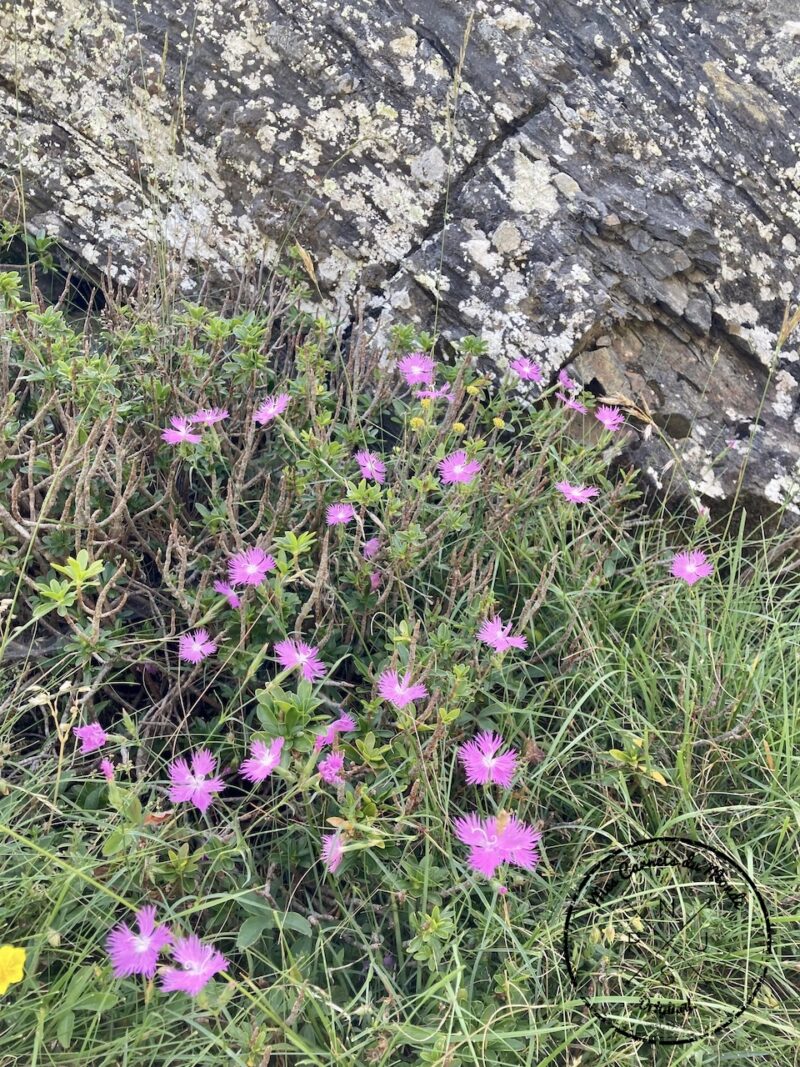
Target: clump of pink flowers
[458, 468]
[197, 784]
[691, 566]
[298, 654]
[198, 963]
[611, 418]
[180, 432]
[566, 382]
[332, 850]
[571, 402]
[196, 646]
[371, 466]
[434, 394]
[270, 408]
[230, 594]
[417, 368]
[400, 692]
[370, 548]
[250, 567]
[208, 416]
[577, 494]
[483, 765]
[330, 768]
[527, 369]
[92, 736]
[498, 840]
[344, 724]
[340, 514]
[137, 953]
[262, 761]
[498, 636]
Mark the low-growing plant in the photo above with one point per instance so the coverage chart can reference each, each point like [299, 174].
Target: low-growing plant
[330, 664]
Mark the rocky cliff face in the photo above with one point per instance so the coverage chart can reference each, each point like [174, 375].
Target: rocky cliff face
[619, 192]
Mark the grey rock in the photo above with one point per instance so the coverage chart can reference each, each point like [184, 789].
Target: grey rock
[620, 168]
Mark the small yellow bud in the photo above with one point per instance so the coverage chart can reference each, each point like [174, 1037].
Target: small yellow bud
[498, 424]
[425, 402]
[473, 390]
[417, 423]
[458, 427]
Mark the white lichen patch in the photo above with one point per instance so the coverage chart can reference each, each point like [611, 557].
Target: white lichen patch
[506, 238]
[705, 482]
[513, 21]
[529, 186]
[405, 45]
[479, 250]
[784, 489]
[430, 167]
[786, 390]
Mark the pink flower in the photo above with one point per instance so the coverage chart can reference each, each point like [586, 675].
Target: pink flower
[417, 368]
[434, 394]
[372, 468]
[566, 382]
[250, 567]
[91, 736]
[330, 769]
[527, 369]
[340, 514]
[611, 418]
[499, 840]
[298, 654]
[199, 963]
[228, 591]
[195, 785]
[576, 405]
[263, 760]
[481, 763]
[691, 566]
[271, 408]
[107, 769]
[344, 724]
[577, 494]
[208, 416]
[400, 693]
[137, 953]
[180, 432]
[332, 850]
[495, 634]
[375, 580]
[458, 468]
[194, 647]
[370, 548]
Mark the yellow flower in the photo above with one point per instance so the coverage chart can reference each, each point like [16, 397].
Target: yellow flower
[458, 427]
[499, 424]
[12, 962]
[425, 402]
[473, 390]
[417, 423]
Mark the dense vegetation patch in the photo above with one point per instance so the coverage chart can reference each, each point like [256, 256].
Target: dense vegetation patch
[332, 665]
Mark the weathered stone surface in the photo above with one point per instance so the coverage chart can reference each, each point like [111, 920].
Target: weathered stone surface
[625, 172]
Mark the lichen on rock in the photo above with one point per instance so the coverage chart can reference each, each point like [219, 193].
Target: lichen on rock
[618, 169]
